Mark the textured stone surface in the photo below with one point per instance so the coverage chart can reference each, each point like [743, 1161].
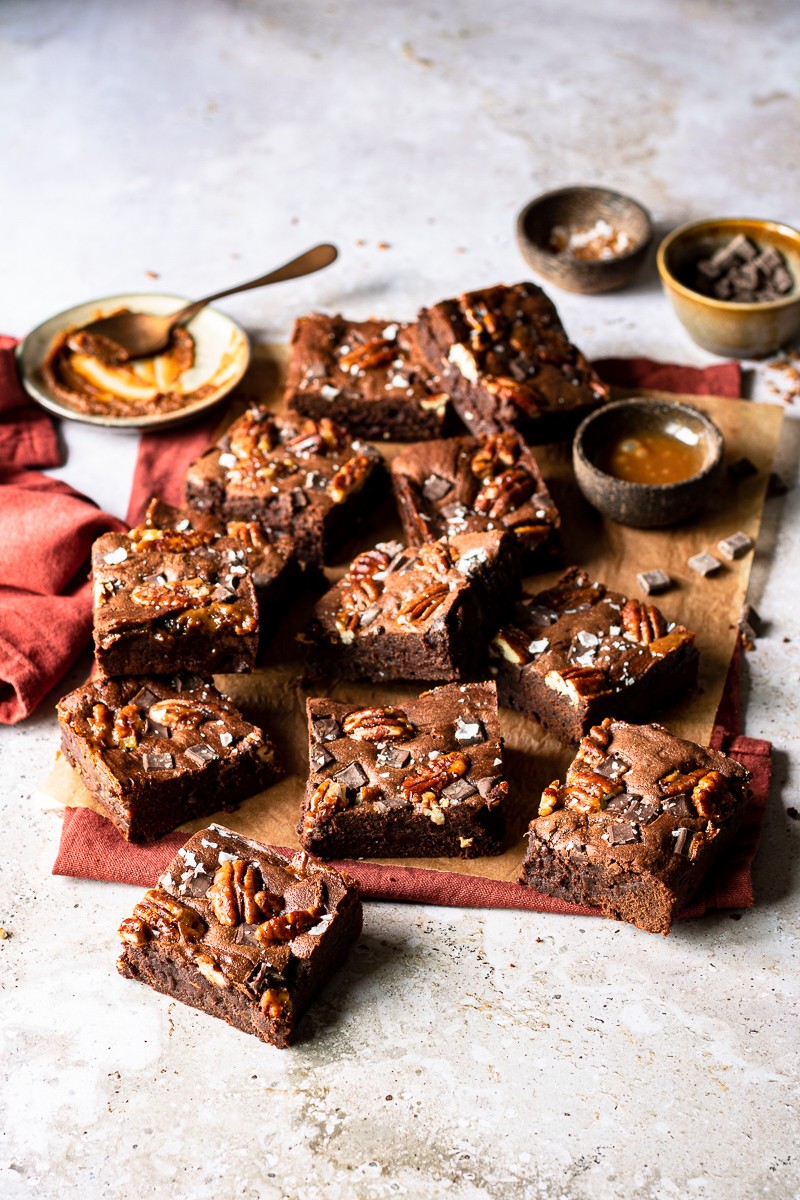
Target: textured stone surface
[457, 1054]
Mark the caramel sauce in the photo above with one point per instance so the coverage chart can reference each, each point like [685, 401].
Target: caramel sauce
[653, 458]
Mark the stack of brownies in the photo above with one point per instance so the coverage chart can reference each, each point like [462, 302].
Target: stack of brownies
[233, 927]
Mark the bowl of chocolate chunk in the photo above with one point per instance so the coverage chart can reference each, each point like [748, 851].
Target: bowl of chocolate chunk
[585, 239]
[647, 463]
[734, 284]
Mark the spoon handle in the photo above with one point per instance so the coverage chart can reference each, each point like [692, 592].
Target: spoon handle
[306, 264]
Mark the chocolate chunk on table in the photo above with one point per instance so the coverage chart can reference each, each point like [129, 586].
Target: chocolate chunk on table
[270, 557]
[704, 563]
[424, 779]
[406, 613]
[472, 484]
[578, 652]
[156, 752]
[292, 475]
[635, 840]
[158, 607]
[242, 932]
[735, 546]
[504, 357]
[654, 582]
[365, 376]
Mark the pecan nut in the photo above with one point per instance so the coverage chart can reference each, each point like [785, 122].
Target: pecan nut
[317, 437]
[513, 645]
[172, 595]
[642, 623]
[505, 492]
[237, 894]
[523, 396]
[671, 641]
[128, 727]
[275, 1003]
[360, 588]
[497, 452]
[711, 796]
[249, 532]
[350, 478]
[174, 712]
[425, 783]
[375, 353]
[378, 724]
[435, 557]
[162, 916]
[328, 797]
[422, 605]
[288, 925]
[253, 434]
[578, 683]
[587, 791]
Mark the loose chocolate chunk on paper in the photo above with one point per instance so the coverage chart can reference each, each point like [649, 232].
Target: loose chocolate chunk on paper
[704, 564]
[351, 776]
[201, 753]
[154, 761]
[459, 790]
[654, 582]
[741, 469]
[326, 729]
[735, 546]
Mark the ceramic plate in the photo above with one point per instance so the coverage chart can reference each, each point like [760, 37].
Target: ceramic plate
[222, 353]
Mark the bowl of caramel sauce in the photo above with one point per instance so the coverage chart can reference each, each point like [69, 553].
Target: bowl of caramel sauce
[647, 463]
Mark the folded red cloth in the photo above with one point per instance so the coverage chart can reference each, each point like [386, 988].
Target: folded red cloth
[91, 848]
[162, 463]
[722, 379]
[27, 434]
[46, 534]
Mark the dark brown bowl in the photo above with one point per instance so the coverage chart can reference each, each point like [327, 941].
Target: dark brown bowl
[645, 505]
[579, 208]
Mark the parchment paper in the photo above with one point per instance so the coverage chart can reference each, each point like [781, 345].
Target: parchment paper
[274, 695]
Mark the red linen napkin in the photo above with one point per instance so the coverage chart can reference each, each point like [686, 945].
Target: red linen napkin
[46, 534]
[27, 434]
[92, 848]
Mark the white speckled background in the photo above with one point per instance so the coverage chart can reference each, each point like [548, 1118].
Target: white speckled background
[467, 1053]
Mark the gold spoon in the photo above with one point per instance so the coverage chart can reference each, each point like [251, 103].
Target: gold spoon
[141, 335]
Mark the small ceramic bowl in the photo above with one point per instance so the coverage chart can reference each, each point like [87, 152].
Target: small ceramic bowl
[646, 505]
[722, 326]
[577, 209]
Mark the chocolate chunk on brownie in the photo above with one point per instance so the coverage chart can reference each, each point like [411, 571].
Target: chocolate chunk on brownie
[577, 652]
[405, 613]
[504, 357]
[425, 779]
[293, 475]
[365, 376]
[468, 485]
[179, 600]
[156, 752]
[634, 828]
[241, 932]
[270, 557]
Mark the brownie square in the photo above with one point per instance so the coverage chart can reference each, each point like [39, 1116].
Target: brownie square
[504, 357]
[241, 932]
[406, 613]
[634, 828]
[365, 376]
[471, 485]
[577, 652]
[180, 601]
[157, 752]
[424, 779]
[293, 475]
[270, 557]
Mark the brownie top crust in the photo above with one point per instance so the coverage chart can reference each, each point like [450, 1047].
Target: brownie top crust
[637, 793]
[403, 589]
[584, 639]
[510, 342]
[241, 910]
[148, 728]
[440, 751]
[471, 484]
[266, 458]
[173, 583]
[266, 552]
[358, 360]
